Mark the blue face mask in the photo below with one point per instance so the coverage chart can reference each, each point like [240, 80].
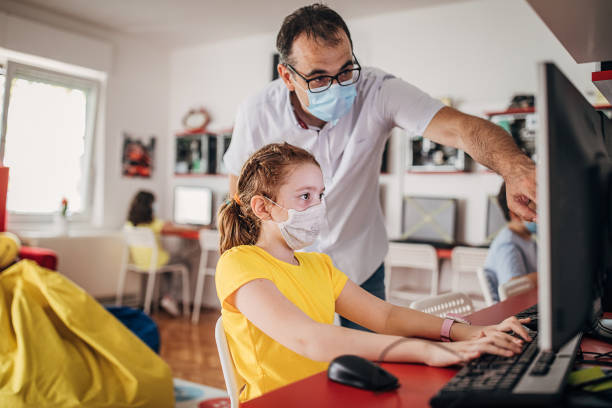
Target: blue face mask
[331, 105]
[532, 227]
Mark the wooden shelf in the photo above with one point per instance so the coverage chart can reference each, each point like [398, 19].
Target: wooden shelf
[526, 111]
[437, 172]
[199, 175]
[512, 112]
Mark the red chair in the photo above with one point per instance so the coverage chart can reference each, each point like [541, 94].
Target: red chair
[42, 256]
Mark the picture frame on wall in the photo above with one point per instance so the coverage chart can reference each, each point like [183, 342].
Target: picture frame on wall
[137, 156]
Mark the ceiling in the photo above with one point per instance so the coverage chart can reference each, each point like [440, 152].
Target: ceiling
[177, 23]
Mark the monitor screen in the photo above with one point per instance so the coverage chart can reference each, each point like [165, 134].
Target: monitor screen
[572, 190]
[192, 205]
[429, 219]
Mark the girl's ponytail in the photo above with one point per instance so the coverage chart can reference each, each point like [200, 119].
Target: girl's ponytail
[235, 227]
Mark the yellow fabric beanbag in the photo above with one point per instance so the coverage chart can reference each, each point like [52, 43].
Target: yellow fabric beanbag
[9, 248]
[60, 348]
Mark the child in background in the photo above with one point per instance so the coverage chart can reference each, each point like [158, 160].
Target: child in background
[514, 251]
[142, 214]
[278, 305]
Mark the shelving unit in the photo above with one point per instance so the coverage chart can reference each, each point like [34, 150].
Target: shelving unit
[426, 156]
[521, 123]
[198, 161]
[198, 153]
[400, 182]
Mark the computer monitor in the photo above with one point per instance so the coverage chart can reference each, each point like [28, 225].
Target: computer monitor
[606, 127]
[573, 173]
[192, 205]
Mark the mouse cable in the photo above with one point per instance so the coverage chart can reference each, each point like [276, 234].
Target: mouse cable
[597, 355]
[594, 362]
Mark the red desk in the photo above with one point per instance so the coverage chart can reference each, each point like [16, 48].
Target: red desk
[444, 253]
[419, 383]
[193, 234]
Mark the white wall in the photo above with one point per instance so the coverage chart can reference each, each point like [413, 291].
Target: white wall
[138, 104]
[135, 101]
[479, 53]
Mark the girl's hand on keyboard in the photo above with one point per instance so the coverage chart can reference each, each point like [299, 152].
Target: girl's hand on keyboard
[510, 324]
[445, 354]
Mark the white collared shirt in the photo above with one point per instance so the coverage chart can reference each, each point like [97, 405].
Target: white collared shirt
[349, 153]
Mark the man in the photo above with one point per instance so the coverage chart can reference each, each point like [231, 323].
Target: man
[513, 252]
[342, 113]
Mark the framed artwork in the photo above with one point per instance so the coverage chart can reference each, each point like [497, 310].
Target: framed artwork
[137, 156]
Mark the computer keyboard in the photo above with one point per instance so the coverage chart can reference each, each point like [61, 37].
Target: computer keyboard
[529, 312]
[533, 377]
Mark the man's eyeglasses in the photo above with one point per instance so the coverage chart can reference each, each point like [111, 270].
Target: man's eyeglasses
[324, 82]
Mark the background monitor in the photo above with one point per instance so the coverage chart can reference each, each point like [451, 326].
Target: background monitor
[429, 219]
[496, 220]
[573, 191]
[192, 205]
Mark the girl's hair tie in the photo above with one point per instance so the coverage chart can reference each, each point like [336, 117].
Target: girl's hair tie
[237, 199]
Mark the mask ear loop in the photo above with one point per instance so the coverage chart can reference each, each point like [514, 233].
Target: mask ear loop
[278, 205]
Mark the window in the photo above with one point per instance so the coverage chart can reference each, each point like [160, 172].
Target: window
[48, 126]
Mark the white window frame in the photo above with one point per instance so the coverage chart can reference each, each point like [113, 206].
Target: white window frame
[91, 88]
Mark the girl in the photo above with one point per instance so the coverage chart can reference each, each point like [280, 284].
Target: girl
[278, 305]
[142, 214]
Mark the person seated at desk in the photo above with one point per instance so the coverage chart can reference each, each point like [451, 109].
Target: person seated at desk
[513, 252]
[278, 305]
[141, 214]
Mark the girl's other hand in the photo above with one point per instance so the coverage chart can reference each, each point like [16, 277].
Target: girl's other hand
[510, 324]
[445, 354]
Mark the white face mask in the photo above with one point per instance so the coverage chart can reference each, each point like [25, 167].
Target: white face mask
[302, 228]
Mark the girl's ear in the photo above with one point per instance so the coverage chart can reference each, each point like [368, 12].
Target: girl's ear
[261, 207]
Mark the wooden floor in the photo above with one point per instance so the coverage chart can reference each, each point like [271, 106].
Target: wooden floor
[190, 350]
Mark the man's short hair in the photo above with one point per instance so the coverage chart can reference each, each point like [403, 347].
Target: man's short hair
[317, 21]
[503, 201]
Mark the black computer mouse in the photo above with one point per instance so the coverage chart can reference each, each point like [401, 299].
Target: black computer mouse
[358, 372]
[603, 330]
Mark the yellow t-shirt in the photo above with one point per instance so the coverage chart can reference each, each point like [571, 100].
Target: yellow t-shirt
[140, 256]
[313, 286]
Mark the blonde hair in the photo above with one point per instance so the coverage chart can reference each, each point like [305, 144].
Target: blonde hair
[262, 174]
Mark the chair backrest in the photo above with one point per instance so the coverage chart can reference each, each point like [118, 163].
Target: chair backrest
[466, 259]
[141, 237]
[484, 286]
[406, 255]
[454, 302]
[209, 239]
[227, 364]
[514, 287]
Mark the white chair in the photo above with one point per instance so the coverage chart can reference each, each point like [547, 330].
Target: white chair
[209, 241]
[466, 261]
[143, 237]
[484, 286]
[227, 364]
[416, 256]
[454, 302]
[515, 287]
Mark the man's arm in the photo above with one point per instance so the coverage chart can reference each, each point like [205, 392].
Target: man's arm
[493, 147]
